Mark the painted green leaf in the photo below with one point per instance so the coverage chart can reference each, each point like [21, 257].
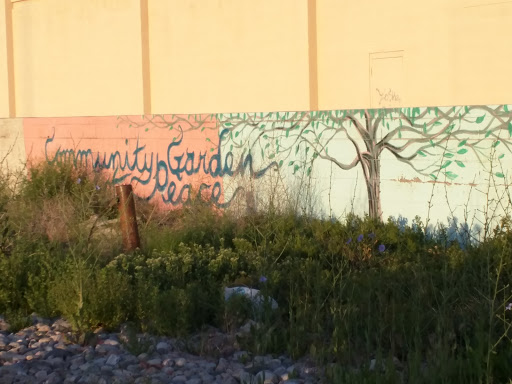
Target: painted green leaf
[231, 148]
[237, 133]
[460, 163]
[296, 168]
[448, 154]
[432, 143]
[466, 108]
[424, 127]
[421, 153]
[451, 175]
[309, 171]
[438, 123]
[147, 129]
[499, 174]
[326, 150]
[207, 139]
[211, 149]
[267, 145]
[271, 156]
[280, 163]
[288, 132]
[480, 119]
[433, 177]
[202, 129]
[510, 128]
[228, 124]
[296, 149]
[448, 162]
[501, 156]
[462, 143]
[450, 129]
[505, 108]
[307, 131]
[291, 163]
[462, 151]
[488, 133]
[265, 137]
[496, 143]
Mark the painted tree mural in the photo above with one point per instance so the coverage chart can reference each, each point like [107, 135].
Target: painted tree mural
[435, 142]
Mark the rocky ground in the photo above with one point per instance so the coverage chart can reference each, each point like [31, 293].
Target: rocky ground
[48, 352]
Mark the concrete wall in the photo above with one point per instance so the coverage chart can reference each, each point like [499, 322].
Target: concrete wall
[111, 57]
[437, 163]
[12, 146]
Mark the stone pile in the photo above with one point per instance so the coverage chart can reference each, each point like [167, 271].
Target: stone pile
[49, 353]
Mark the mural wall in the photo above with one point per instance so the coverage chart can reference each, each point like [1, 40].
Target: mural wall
[435, 162]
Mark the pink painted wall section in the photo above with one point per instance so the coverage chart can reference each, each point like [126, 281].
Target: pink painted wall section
[164, 157]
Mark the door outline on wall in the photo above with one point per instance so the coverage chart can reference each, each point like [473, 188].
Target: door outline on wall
[388, 91]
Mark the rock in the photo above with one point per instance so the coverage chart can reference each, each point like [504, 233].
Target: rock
[41, 375]
[154, 362]
[180, 362]
[280, 371]
[112, 342]
[245, 378]
[266, 377]
[163, 347]
[41, 327]
[113, 360]
[61, 325]
[246, 328]
[4, 341]
[222, 365]
[26, 357]
[10, 356]
[254, 295]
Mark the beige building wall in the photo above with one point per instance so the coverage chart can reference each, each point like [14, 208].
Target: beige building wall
[228, 55]
[4, 87]
[75, 58]
[108, 57]
[418, 53]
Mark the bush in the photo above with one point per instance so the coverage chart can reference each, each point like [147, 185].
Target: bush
[349, 292]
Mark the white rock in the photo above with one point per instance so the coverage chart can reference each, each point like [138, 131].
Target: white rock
[112, 342]
[180, 362]
[253, 294]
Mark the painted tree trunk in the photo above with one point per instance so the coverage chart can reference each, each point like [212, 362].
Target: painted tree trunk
[373, 188]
